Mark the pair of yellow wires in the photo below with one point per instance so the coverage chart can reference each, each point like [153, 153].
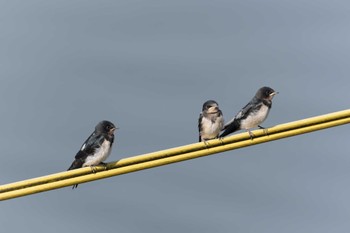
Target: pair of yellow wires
[174, 155]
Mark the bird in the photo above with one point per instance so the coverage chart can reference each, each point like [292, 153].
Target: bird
[253, 114]
[96, 148]
[210, 122]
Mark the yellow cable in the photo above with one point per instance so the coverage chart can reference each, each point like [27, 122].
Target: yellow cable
[173, 155]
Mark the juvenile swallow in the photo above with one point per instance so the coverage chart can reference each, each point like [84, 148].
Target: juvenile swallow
[96, 148]
[210, 121]
[253, 114]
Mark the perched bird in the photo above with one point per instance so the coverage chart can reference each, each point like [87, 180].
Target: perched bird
[210, 121]
[253, 114]
[96, 148]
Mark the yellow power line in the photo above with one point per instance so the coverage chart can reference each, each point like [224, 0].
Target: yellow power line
[173, 155]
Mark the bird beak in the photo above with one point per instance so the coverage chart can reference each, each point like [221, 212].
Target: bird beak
[213, 110]
[274, 93]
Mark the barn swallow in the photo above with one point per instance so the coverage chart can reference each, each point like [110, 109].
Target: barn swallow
[253, 114]
[210, 121]
[96, 148]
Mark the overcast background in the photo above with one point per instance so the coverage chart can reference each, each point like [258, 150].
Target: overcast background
[148, 66]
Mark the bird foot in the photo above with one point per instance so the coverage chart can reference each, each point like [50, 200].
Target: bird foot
[93, 169]
[206, 143]
[105, 165]
[266, 131]
[251, 135]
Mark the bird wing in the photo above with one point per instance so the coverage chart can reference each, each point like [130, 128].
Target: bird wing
[242, 114]
[251, 106]
[88, 148]
[90, 145]
[200, 126]
[227, 124]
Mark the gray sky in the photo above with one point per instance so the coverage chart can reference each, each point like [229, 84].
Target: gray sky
[148, 66]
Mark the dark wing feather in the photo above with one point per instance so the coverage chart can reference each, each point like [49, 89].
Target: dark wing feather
[234, 124]
[251, 106]
[230, 128]
[88, 148]
[200, 126]
[90, 145]
[78, 162]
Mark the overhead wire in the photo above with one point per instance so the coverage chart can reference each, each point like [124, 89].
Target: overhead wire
[173, 155]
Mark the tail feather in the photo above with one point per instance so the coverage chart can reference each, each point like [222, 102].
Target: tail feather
[230, 128]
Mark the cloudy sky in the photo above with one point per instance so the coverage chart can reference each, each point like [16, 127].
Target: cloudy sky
[148, 66]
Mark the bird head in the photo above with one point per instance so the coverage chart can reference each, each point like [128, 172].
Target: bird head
[210, 106]
[266, 93]
[105, 127]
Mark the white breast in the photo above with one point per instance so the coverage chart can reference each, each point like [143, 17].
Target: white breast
[100, 155]
[211, 129]
[255, 119]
